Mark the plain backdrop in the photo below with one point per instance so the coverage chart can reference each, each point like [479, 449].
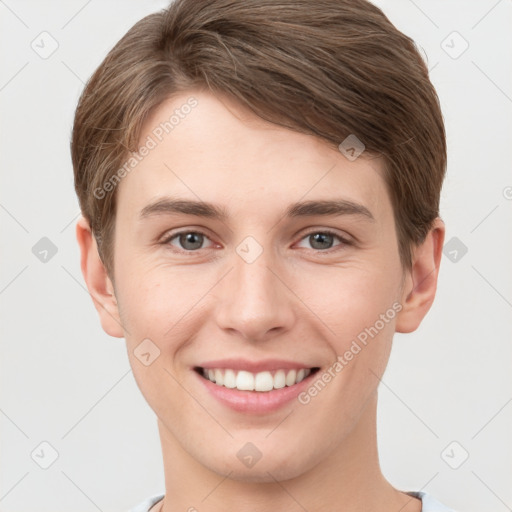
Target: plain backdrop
[68, 399]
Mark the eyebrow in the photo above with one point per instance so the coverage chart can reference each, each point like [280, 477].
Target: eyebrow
[169, 206]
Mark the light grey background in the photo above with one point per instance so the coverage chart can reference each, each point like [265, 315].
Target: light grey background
[65, 382]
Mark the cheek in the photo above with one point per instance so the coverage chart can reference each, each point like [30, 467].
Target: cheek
[348, 301]
[359, 309]
[154, 313]
[149, 295]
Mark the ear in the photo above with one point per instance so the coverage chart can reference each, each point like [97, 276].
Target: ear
[98, 283]
[420, 283]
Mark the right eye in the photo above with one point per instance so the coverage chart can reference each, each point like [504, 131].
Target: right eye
[189, 241]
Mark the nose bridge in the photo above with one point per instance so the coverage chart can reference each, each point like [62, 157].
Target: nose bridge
[255, 299]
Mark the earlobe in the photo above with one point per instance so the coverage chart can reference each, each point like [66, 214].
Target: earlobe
[97, 280]
[421, 283]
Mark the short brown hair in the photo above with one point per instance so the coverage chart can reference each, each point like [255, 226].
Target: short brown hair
[330, 68]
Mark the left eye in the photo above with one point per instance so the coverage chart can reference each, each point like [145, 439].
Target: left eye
[322, 240]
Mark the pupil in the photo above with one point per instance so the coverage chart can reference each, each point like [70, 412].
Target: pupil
[195, 239]
[324, 240]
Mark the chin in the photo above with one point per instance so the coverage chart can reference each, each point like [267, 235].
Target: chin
[263, 475]
[265, 470]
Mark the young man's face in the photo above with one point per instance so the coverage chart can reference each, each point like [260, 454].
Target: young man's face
[260, 285]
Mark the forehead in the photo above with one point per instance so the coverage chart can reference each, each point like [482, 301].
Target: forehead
[206, 147]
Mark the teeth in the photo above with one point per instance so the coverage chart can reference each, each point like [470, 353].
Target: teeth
[290, 377]
[262, 381]
[219, 377]
[244, 381]
[229, 379]
[279, 379]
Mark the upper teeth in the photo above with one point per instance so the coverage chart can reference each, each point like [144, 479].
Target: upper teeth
[262, 381]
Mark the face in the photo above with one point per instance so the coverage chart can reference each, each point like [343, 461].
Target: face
[246, 247]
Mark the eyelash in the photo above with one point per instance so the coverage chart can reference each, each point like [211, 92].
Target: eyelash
[344, 241]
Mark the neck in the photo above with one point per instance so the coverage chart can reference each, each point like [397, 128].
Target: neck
[349, 479]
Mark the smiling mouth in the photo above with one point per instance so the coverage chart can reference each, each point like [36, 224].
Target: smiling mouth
[258, 382]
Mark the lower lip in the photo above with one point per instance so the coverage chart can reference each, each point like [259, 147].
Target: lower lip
[255, 402]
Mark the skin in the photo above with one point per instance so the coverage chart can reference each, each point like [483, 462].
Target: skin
[295, 301]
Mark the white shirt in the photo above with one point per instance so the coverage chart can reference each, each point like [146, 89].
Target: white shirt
[428, 503]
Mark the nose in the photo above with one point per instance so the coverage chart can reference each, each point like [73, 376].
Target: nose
[256, 304]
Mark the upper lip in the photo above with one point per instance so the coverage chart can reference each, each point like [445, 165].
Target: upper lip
[254, 366]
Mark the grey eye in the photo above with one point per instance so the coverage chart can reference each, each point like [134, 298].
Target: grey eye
[321, 240]
[189, 240]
